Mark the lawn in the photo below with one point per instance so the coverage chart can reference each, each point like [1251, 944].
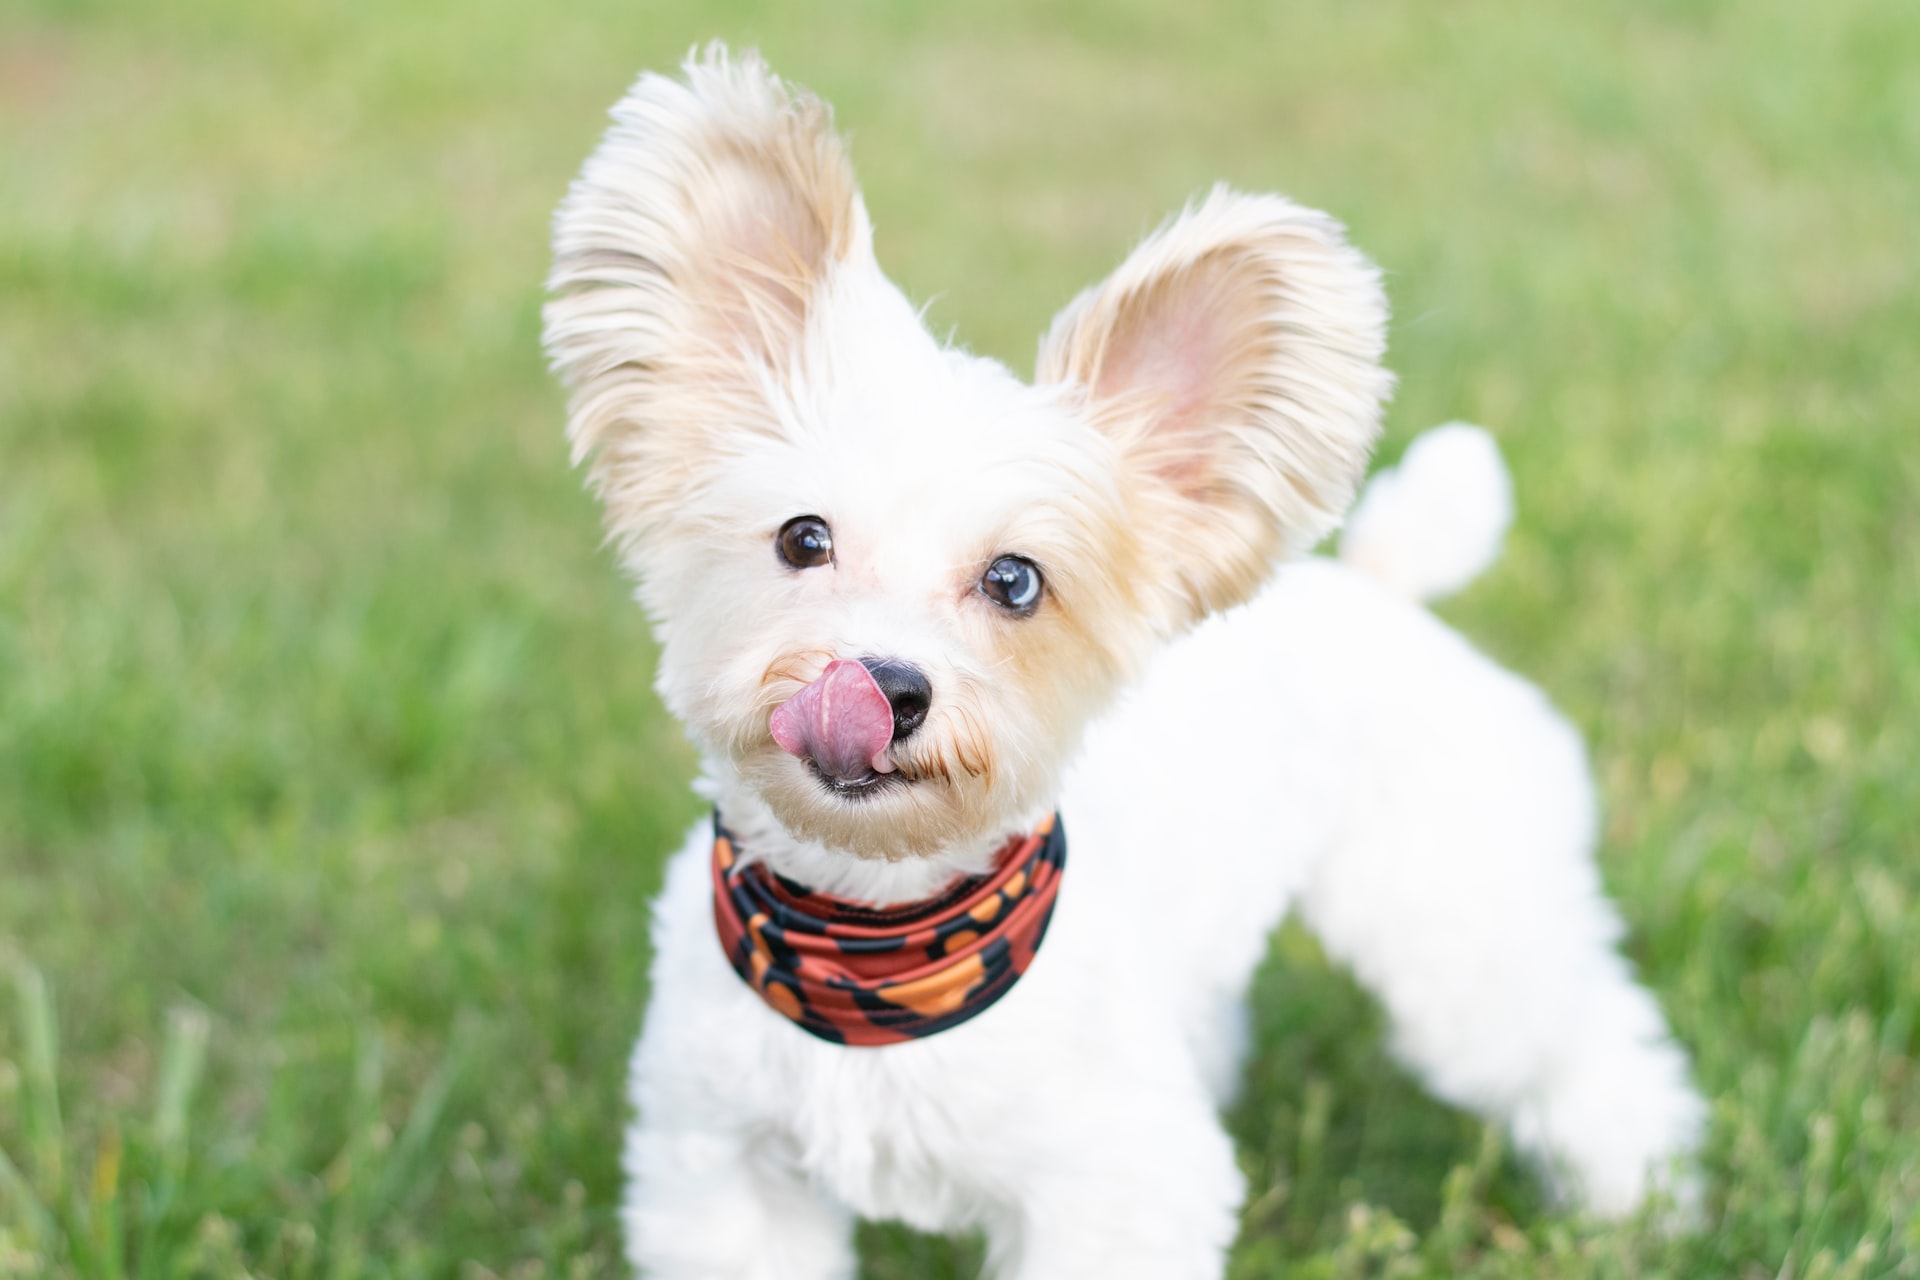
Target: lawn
[332, 788]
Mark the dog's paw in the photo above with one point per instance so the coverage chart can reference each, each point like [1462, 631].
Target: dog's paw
[1619, 1133]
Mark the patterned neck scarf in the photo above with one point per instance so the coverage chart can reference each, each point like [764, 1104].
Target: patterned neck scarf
[862, 975]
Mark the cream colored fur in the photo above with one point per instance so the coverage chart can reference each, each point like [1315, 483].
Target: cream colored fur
[1229, 732]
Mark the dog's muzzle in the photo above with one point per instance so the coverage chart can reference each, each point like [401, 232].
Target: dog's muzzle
[845, 721]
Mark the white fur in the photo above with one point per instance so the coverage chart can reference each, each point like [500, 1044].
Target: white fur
[1323, 745]
[1429, 814]
[1431, 525]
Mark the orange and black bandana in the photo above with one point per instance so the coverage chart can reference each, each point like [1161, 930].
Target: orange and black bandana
[862, 975]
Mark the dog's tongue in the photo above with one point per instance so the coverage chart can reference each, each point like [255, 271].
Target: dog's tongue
[842, 722]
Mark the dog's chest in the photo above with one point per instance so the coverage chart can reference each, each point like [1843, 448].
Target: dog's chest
[915, 1132]
[893, 1133]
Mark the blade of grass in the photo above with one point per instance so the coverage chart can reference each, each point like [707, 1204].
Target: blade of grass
[347, 1176]
[183, 1058]
[31, 1213]
[46, 1139]
[182, 1061]
[109, 1244]
[401, 1183]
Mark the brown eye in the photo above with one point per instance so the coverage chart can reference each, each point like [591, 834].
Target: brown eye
[1012, 582]
[805, 542]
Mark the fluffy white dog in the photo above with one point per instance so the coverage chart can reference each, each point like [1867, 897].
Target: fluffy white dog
[910, 608]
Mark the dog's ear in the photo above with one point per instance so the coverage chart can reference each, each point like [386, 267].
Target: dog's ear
[1234, 358]
[688, 257]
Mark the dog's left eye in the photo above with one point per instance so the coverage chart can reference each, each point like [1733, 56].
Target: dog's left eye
[804, 541]
[1012, 582]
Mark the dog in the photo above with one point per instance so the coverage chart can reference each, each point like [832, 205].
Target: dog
[930, 626]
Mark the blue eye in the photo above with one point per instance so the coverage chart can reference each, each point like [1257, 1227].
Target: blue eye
[1012, 582]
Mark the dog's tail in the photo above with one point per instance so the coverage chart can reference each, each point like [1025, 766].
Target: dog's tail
[1431, 525]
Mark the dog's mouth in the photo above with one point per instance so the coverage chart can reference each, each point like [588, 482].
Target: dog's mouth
[860, 786]
[841, 727]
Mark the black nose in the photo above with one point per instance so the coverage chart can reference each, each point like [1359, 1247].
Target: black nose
[908, 693]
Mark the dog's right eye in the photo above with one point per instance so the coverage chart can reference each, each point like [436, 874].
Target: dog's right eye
[805, 541]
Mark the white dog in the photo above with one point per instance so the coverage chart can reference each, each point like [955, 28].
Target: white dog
[910, 607]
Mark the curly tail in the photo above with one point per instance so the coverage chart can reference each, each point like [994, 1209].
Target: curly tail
[1431, 525]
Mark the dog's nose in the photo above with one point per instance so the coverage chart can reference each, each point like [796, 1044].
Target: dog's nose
[908, 693]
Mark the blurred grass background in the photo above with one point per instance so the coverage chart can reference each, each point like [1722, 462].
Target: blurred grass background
[331, 786]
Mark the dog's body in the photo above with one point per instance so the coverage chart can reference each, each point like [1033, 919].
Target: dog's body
[1430, 815]
[741, 368]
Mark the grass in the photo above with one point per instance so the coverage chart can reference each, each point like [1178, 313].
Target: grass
[331, 786]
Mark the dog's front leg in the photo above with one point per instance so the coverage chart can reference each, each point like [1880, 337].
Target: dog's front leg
[702, 1206]
[1153, 1196]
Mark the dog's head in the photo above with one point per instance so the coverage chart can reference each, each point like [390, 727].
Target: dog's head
[891, 581]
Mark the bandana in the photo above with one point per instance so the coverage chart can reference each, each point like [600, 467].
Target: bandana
[862, 975]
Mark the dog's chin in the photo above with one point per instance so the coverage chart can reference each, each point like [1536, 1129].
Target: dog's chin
[860, 789]
[880, 816]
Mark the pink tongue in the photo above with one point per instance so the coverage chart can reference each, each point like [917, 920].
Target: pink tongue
[842, 722]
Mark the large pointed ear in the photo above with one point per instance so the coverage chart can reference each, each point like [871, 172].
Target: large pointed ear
[688, 257]
[1235, 360]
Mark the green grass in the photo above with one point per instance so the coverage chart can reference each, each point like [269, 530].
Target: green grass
[331, 786]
